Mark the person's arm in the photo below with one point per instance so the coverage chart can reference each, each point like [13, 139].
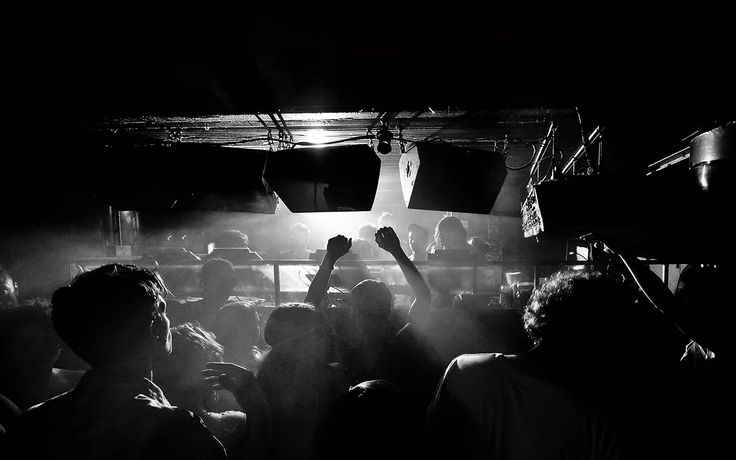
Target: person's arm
[654, 290]
[243, 385]
[337, 247]
[387, 240]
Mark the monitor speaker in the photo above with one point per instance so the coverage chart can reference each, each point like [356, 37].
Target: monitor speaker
[341, 178]
[440, 177]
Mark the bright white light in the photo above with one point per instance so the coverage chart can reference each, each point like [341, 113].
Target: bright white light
[317, 136]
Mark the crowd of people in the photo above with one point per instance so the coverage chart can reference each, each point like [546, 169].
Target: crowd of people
[602, 363]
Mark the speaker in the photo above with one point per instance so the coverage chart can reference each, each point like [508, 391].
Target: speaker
[440, 177]
[184, 177]
[341, 178]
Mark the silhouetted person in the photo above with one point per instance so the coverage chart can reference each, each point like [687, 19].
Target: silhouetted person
[299, 238]
[232, 238]
[113, 317]
[541, 404]
[418, 242]
[8, 290]
[233, 246]
[218, 281]
[450, 234]
[179, 376]
[236, 326]
[29, 347]
[300, 380]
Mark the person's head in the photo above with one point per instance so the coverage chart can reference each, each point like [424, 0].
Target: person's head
[450, 233]
[112, 314]
[301, 330]
[218, 279]
[179, 374]
[231, 239]
[236, 328]
[300, 235]
[27, 337]
[418, 238]
[580, 313]
[371, 305]
[361, 249]
[8, 290]
[387, 220]
[367, 232]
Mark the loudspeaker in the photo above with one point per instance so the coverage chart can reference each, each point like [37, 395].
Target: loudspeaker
[341, 178]
[184, 177]
[440, 177]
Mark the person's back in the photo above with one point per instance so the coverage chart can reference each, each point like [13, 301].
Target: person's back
[298, 380]
[554, 400]
[491, 409]
[114, 318]
[107, 418]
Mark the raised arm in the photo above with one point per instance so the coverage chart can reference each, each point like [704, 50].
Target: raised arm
[337, 247]
[386, 239]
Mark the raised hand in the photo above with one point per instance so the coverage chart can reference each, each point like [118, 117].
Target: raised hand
[228, 376]
[387, 240]
[338, 246]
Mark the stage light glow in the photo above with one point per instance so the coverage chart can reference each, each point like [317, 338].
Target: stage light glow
[317, 136]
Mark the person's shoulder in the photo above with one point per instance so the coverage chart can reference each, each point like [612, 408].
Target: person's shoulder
[474, 360]
[477, 366]
[190, 433]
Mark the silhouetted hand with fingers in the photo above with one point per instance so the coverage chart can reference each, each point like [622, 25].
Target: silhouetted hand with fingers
[228, 376]
[338, 246]
[387, 240]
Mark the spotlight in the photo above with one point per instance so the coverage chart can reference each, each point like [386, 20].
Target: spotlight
[384, 140]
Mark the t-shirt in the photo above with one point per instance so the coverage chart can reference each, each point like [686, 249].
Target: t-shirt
[106, 417]
[486, 408]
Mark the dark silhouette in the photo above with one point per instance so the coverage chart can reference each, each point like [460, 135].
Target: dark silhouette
[237, 328]
[29, 348]
[113, 317]
[540, 404]
[218, 281]
[179, 376]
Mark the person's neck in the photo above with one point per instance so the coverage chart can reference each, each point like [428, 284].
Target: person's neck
[549, 364]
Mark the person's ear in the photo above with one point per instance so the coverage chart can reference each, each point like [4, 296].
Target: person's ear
[160, 329]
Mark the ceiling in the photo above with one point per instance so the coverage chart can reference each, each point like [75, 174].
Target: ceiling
[650, 76]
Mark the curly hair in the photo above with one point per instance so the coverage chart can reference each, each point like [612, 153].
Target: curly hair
[575, 303]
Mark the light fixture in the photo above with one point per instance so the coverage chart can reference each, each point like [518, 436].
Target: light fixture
[385, 136]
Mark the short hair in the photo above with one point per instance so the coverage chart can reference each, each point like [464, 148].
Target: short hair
[216, 268]
[372, 298]
[367, 232]
[291, 322]
[571, 304]
[386, 216]
[300, 227]
[101, 311]
[416, 228]
[234, 321]
[232, 238]
[361, 249]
